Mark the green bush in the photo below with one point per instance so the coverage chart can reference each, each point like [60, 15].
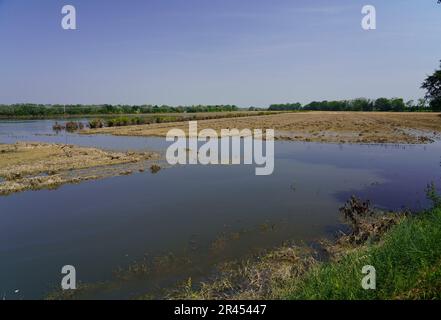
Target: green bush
[96, 123]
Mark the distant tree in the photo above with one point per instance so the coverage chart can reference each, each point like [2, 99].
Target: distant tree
[285, 107]
[422, 103]
[435, 105]
[397, 104]
[382, 104]
[432, 85]
[361, 104]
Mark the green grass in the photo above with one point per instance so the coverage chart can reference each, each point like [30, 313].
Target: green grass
[407, 263]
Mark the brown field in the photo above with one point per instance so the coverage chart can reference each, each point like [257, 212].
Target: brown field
[333, 127]
[25, 166]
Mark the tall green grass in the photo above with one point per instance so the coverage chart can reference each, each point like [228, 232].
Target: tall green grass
[407, 263]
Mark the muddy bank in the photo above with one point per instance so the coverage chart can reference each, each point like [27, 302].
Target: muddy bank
[332, 127]
[262, 276]
[266, 276]
[33, 166]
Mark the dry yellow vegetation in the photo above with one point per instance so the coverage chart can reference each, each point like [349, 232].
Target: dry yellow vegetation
[25, 166]
[334, 127]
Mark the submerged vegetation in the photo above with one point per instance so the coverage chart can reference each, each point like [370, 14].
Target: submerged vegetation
[403, 248]
[96, 123]
[70, 126]
[138, 120]
[154, 168]
[130, 120]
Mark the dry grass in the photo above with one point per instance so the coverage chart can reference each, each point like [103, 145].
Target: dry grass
[250, 279]
[25, 166]
[334, 127]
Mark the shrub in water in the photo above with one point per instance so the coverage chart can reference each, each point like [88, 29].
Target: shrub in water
[96, 123]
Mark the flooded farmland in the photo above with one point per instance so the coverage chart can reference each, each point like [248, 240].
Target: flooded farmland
[183, 220]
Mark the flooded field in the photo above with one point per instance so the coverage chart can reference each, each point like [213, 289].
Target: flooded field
[317, 126]
[137, 235]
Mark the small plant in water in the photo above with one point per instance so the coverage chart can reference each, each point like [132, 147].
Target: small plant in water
[367, 223]
[69, 126]
[155, 168]
[96, 123]
[57, 127]
[74, 126]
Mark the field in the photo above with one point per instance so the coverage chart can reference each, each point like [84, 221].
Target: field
[27, 166]
[333, 127]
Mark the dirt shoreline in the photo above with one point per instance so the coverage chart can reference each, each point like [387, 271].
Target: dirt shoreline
[34, 166]
[317, 126]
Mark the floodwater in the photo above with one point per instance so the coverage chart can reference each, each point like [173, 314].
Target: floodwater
[186, 219]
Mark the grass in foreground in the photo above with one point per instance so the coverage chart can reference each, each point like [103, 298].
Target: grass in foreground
[407, 262]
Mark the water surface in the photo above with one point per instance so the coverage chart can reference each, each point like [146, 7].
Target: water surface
[202, 215]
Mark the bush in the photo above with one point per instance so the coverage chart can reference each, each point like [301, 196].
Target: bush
[69, 126]
[96, 123]
[57, 127]
[73, 126]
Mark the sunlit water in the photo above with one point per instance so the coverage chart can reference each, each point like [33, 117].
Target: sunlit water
[203, 214]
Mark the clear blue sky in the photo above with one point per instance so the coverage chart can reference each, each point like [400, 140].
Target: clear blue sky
[244, 52]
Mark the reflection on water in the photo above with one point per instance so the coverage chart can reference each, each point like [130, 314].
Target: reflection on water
[191, 216]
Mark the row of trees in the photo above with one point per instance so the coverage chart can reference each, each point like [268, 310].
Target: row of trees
[39, 110]
[286, 107]
[361, 104]
[432, 101]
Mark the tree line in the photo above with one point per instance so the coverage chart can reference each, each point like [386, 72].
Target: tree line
[40, 110]
[431, 101]
[360, 104]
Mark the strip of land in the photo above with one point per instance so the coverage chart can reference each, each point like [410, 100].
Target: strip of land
[332, 127]
[33, 166]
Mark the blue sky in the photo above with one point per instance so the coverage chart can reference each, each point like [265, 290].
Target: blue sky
[243, 52]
